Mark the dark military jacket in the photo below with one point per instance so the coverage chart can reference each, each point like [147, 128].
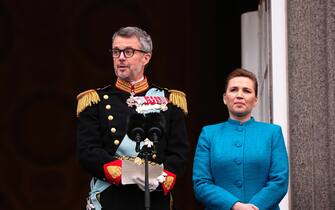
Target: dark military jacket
[102, 124]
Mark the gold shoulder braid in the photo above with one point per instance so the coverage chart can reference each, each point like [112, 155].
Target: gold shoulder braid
[178, 98]
[87, 98]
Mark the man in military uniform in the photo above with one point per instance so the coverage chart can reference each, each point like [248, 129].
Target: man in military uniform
[104, 116]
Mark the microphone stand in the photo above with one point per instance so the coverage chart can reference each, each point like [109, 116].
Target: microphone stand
[138, 134]
[153, 133]
[146, 182]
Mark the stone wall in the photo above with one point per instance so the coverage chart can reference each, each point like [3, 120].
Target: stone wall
[311, 71]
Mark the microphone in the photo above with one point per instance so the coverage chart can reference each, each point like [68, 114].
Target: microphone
[138, 135]
[135, 130]
[154, 133]
[149, 126]
[155, 124]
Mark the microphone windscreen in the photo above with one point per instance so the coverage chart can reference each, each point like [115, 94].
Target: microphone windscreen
[155, 120]
[135, 126]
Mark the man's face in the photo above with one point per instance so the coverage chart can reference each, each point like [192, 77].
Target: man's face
[240, 98]
[132, 68]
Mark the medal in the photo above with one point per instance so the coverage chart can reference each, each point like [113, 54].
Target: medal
[131, 100]
[147, 104]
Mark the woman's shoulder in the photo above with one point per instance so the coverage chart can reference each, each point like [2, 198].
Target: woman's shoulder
[267, 125]
[213, 127]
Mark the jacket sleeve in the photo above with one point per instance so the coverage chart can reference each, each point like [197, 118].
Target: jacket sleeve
[276, 187]
[91, 153]
[206, 191]
[177, 146]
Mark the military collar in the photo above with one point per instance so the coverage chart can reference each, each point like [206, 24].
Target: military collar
[136, 88]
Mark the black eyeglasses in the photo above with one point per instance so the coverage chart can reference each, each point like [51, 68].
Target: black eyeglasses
[127, 52]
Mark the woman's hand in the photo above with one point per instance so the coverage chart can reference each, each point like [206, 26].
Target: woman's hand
[244, 206]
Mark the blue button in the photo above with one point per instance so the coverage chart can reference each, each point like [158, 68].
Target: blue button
[237, 161]
[238, 183]
[238, 144]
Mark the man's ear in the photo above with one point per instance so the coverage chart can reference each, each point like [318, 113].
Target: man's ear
[147, 58]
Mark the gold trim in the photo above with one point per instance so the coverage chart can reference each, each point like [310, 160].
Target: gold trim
[136, 160]
[85, 99]
[114, 171]
[178, 98]
[137, 88]
[168, 182]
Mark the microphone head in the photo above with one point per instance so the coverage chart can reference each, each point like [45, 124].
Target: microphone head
[136, 127]
[137, 134]
[155, 124]
[154, 133]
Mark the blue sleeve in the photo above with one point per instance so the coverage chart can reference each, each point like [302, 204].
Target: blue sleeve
[211, 195]
[276, 187]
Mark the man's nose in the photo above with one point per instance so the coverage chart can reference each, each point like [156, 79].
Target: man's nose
[122, 56]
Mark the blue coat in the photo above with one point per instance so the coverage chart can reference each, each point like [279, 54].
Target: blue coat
[240, 162]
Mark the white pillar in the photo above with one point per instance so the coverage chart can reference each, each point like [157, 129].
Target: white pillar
[279, 72]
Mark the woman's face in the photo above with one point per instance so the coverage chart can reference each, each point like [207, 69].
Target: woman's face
[240, 98]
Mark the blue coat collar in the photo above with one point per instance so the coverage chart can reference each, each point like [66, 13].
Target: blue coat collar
[236, 122]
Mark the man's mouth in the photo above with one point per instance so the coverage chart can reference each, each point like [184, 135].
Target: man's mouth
[122, 67]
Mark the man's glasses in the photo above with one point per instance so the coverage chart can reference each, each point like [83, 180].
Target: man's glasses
[127, 52]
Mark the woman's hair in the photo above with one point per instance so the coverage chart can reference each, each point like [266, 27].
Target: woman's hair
[143, 37]
[239, 72]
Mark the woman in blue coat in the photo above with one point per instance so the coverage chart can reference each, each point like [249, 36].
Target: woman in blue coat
[240, 164]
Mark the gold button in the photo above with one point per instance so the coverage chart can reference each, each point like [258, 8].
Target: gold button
[110, 117]
[116, 142]
[108, 106]
[113, 130]
[106, 97]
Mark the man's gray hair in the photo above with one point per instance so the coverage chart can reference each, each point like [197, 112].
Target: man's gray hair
[143, 37]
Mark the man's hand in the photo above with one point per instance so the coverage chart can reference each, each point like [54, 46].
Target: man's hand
[153, 184]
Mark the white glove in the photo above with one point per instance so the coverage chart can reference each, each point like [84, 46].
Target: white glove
[153, 184]
[162, 177]
[89, 205]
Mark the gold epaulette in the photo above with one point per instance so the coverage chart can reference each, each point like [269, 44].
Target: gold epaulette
[87, 98]
[178, 98]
